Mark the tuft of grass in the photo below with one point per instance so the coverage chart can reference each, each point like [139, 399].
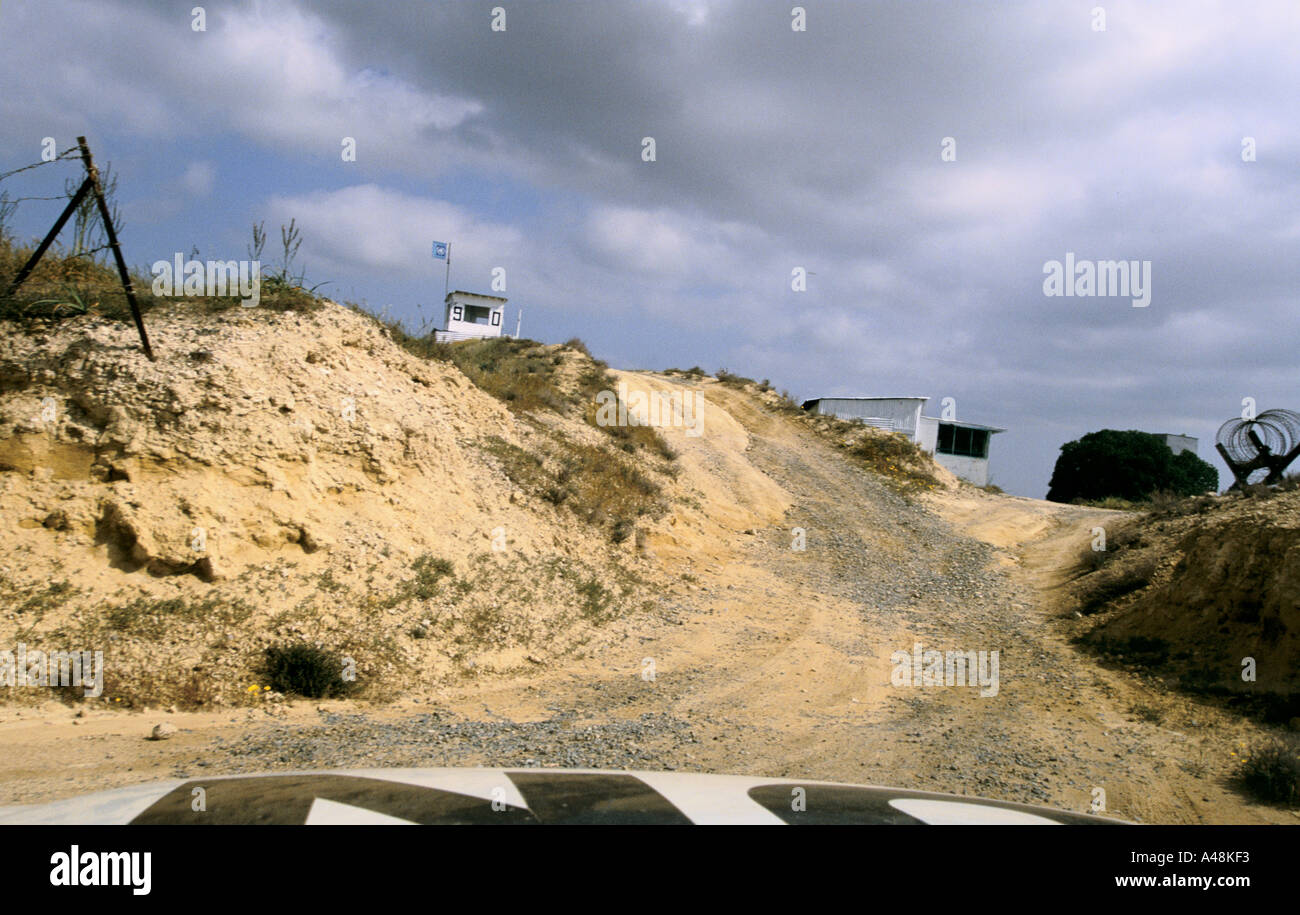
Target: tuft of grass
[1121, 537]
[1164, 504]
[62, 285]
[787, 404]
[1289, 483]
[1111, 584]
[604, 488]
[598, 485]
[1147, 713]
[525, 375]
[65, 286]
[633, 438]
[694, 372]
[1114, 503]
[1092, 560]
[594, 482]
[429, 571]
[327, 582]
[152, 617]
[897, 458]
[521, 373]
[732, 380]
[1161, 504]
[596, 600]
[523, 468]
[422, 346]
[1271, 771]
[52, 596]
[594, 379]
[303, 669]
[426, 585]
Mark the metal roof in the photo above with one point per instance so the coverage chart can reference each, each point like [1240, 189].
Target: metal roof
[954, 422]
[855, 397]
[814, 400]
[477, 295]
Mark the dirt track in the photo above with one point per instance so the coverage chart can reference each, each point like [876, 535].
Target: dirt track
[767, 660]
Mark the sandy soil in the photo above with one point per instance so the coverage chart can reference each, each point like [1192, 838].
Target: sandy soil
[777, 659]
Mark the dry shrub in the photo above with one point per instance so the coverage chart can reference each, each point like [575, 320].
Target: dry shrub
[895, 457]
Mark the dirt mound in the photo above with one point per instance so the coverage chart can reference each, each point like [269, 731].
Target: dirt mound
[303, 475]
[1195, 594]
[277, 476]
[220, 454]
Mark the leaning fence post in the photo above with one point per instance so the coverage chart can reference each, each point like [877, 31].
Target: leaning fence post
[93, 175]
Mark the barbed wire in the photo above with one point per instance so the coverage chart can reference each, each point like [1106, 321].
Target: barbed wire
[91, 251]
[70, 152]
[21, 199]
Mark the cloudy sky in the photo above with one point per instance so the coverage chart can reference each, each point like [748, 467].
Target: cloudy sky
[1171, 135]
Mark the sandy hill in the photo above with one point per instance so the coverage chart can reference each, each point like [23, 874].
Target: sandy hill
[298, 475]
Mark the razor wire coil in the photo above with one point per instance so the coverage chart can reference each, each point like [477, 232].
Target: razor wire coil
[1276, 430]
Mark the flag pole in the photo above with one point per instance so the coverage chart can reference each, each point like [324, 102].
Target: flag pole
[446, 283]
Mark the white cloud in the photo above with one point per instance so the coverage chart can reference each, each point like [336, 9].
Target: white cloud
[198, 179]
[284, 78]
[273, 73]
[378, 229]
[666, 243]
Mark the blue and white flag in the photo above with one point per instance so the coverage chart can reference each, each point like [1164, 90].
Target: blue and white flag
[440, 249]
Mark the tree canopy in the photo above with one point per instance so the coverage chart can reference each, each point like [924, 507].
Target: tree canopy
[1127, 465]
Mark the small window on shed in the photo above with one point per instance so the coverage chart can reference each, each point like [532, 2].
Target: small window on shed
[945, 439]
[962, 441]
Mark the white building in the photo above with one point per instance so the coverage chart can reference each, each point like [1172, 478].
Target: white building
[961, 447]
[470, 315]
[1179, 443]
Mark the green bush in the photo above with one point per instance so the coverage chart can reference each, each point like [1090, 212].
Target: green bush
[576, 343]
[1129, 465]
[1272, 772]
[303, 669]
[733, 380]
